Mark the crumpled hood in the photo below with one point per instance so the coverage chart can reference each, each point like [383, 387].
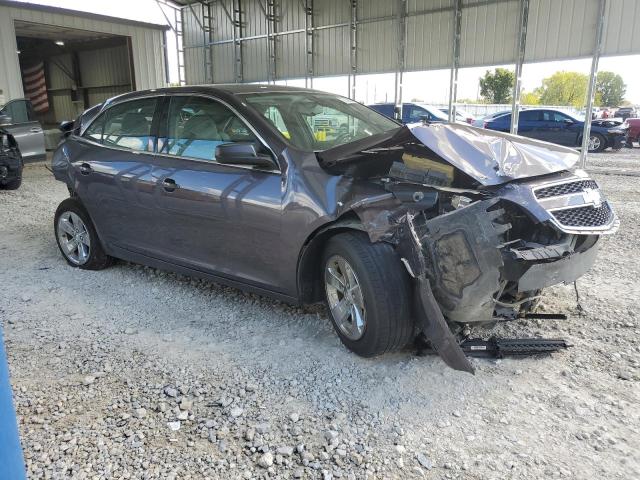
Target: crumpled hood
[493, 158]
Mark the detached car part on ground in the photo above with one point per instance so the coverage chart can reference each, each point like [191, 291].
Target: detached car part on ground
[402, 231]
[10, 162]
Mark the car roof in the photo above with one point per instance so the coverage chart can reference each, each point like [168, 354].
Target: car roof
[231, 88]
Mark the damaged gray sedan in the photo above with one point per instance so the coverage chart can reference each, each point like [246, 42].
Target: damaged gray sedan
[308, 197]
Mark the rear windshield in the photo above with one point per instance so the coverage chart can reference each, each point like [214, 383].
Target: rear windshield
[315, 121]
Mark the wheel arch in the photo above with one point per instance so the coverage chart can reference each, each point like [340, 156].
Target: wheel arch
[308, 270]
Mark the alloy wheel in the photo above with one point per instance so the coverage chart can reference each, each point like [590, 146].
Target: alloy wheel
[345, 299]
[594, 143]
[74, 238]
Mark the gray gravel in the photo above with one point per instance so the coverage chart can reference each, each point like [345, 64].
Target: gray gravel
[137, 373]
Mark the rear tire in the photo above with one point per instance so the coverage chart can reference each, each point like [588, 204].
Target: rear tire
[385, 294]
[73, 227]
[12, 184]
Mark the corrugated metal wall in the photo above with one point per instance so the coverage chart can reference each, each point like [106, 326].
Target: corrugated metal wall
[557, 29]
[104, 73]
[59, 85]
[146, 42]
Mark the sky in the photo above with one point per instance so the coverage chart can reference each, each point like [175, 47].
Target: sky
[378, 88]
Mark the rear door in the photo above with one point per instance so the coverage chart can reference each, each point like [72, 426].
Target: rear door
[26, 129]
[114, 153]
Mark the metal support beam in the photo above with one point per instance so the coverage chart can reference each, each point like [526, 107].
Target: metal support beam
[177, 15]
[591, 93]
[353, 46]
[453, 80]
[207, 22]
[272, 26]
[402, 44]
[521, 46]
[237, 44]
[308, 43]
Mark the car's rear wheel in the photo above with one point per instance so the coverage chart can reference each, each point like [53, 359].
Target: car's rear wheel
[368, 294]
[597, 143]
[77, 237]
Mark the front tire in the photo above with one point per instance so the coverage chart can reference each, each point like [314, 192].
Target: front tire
[11, 184]
[597, 143]
[77, 237]
[368, 294]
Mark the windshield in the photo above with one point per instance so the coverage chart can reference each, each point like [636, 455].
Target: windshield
[315, 121]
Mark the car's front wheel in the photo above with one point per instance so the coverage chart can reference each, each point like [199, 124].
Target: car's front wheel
[368, 293]
[77, 237]
[12, 184]
[597, 143]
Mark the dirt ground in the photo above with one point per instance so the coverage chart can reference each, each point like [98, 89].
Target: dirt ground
[137, 373]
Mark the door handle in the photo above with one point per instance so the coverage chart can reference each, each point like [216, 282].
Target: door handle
[85, 168]
[169, 184]
[35, 130]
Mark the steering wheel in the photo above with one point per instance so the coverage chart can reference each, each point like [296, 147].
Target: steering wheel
[343, 137]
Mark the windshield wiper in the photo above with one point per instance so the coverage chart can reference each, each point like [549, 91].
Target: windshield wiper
[394, 148]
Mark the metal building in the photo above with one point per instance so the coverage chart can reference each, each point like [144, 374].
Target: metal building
[269, 40]
[87, 58]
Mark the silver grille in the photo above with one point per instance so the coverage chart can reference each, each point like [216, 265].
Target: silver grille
[584, 217]
[565, 188]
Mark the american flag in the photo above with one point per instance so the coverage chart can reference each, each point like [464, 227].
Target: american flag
[35, 87]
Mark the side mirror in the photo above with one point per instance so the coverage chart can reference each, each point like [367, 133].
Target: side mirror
[5, 119]
[567, 121]
[243, 153]
[66, 127]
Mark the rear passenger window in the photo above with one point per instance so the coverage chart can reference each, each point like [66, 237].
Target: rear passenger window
[529, 116]
[198, 125]
[127, 125]
[94, 131]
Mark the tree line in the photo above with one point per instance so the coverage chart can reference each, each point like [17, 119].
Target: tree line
[561, 88]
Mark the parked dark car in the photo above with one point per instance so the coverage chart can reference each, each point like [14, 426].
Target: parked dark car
[483, 121]
[561, 128]
[10, 162]
[626, 112]
[461, 115]
[401, 231]
[412, 112]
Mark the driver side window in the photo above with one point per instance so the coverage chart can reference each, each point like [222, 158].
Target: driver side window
[20, 111]
[416, 114]
[198, 125]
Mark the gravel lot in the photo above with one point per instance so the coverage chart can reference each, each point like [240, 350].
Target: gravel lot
[137, 373]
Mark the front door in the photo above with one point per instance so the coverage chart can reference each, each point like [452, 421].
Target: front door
[25, 129]
[560, 128]
[218, 218]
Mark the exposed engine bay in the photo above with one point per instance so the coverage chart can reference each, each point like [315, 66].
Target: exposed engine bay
[483, 221]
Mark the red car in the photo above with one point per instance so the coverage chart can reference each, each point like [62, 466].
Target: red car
[634, 131]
